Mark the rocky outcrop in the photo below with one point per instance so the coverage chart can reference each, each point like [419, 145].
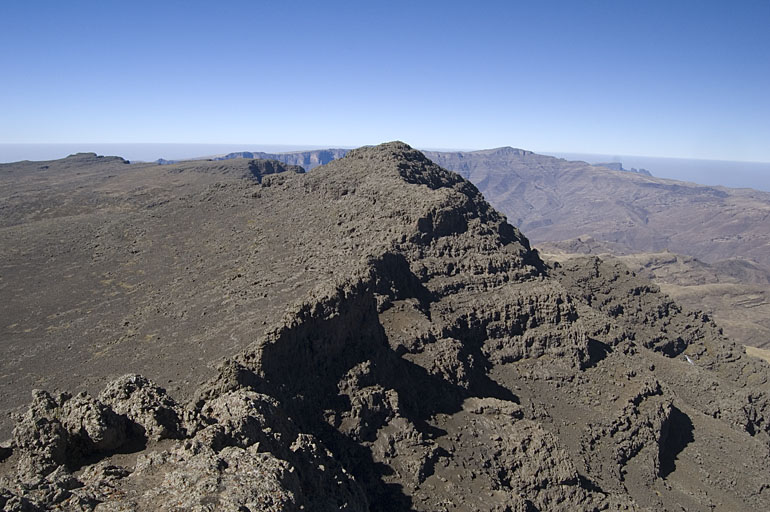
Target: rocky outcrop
[64, 431]
[638, 431]
[152, 413]
[260, 168]
[244, 453]
[494, 449]
[632, 304]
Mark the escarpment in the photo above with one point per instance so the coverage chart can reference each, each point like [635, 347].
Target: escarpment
[423, 357]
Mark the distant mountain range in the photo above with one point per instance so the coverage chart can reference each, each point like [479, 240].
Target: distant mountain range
[306, 159]
[553, 199]
[311, 159]
[728, 173]
[571, 207]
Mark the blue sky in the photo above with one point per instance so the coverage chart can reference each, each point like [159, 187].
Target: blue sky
[686, 79]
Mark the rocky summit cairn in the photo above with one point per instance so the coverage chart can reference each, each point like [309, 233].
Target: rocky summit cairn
[424, 358]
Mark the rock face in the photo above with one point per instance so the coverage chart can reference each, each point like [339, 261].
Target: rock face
[569, 206]
[151, 411]
[423, 357]
[260, 168]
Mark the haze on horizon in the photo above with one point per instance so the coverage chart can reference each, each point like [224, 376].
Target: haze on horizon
[685, 79]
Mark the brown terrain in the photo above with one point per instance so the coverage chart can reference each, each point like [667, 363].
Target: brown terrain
[238, 335]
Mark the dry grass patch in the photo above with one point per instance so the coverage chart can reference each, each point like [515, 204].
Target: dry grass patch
[758, 352]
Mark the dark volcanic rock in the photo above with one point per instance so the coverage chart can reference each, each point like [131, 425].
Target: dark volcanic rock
[64, 432]
[644, 314]
[155, 415]
[393, 344]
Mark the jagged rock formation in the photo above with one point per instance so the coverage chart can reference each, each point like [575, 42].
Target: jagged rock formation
[734, 292]
[417, 355]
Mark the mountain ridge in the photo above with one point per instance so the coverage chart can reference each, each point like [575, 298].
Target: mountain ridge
[548, 197]
[380, 338]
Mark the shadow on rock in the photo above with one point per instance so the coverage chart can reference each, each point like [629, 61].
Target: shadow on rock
[679, 435]
[597, 352]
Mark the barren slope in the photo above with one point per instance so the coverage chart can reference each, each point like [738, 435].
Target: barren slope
[107, 267]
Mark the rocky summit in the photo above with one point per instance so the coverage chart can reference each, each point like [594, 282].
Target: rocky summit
[371, 335]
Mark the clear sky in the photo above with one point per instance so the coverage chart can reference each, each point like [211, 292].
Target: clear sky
[672, 78]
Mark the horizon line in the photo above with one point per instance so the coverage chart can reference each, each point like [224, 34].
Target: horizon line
[312, 147]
